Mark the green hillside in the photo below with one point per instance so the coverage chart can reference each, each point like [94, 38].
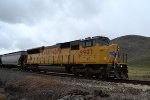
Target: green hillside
[137, 48]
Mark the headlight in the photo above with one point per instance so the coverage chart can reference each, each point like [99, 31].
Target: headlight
[121, 66]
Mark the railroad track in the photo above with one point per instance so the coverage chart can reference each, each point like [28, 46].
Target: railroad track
[135, 82]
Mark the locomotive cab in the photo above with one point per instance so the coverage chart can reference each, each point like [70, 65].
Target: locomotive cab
[103, 57]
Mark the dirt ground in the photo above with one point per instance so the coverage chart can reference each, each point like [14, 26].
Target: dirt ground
[18, 85]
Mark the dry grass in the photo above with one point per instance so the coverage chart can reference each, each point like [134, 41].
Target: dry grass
[31, 87]
[139, 72]
[3, 97]
[34, 82]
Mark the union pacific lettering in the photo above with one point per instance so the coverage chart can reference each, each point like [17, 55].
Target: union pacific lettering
[56, 51]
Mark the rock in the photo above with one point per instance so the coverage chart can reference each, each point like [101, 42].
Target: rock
[97, 93]
[89, 97]
[68, 97]
[78, 92]
[2, 90]
[73, 97]
[78, 97]
[100, 93]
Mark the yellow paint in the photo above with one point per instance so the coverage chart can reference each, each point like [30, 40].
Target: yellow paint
[85, 55]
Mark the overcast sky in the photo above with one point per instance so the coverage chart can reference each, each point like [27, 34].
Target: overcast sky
[31, 23]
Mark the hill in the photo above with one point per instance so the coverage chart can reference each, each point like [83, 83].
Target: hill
[137, 48]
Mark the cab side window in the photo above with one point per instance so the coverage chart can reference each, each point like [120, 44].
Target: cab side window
[88, 43]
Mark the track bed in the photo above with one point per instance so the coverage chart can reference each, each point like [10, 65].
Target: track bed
[66, 85]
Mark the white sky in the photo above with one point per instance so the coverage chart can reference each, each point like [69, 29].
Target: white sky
[31, 23]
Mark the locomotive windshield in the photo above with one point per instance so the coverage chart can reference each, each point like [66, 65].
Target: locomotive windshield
[104, 41]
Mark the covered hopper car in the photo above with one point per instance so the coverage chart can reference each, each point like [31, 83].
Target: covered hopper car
[15, 59]
[0, 60]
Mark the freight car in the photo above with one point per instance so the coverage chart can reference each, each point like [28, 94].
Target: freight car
[0, 60]
[15, 59]
[90, 57]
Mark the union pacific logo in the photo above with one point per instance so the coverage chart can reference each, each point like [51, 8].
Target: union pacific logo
[112, 53]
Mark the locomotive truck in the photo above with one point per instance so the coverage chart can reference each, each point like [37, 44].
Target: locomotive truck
[90, 57]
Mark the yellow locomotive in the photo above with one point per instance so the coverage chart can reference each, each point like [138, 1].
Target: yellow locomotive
[91, 57]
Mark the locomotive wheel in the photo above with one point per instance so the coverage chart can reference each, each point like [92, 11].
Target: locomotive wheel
[121, 75]
[74, 71]
[118, 72]
[118, 75]
[105, 76]
[97, 76]
[29, 68]
[88, 72]
[76, 74]
[124, 75]
[34, 68]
